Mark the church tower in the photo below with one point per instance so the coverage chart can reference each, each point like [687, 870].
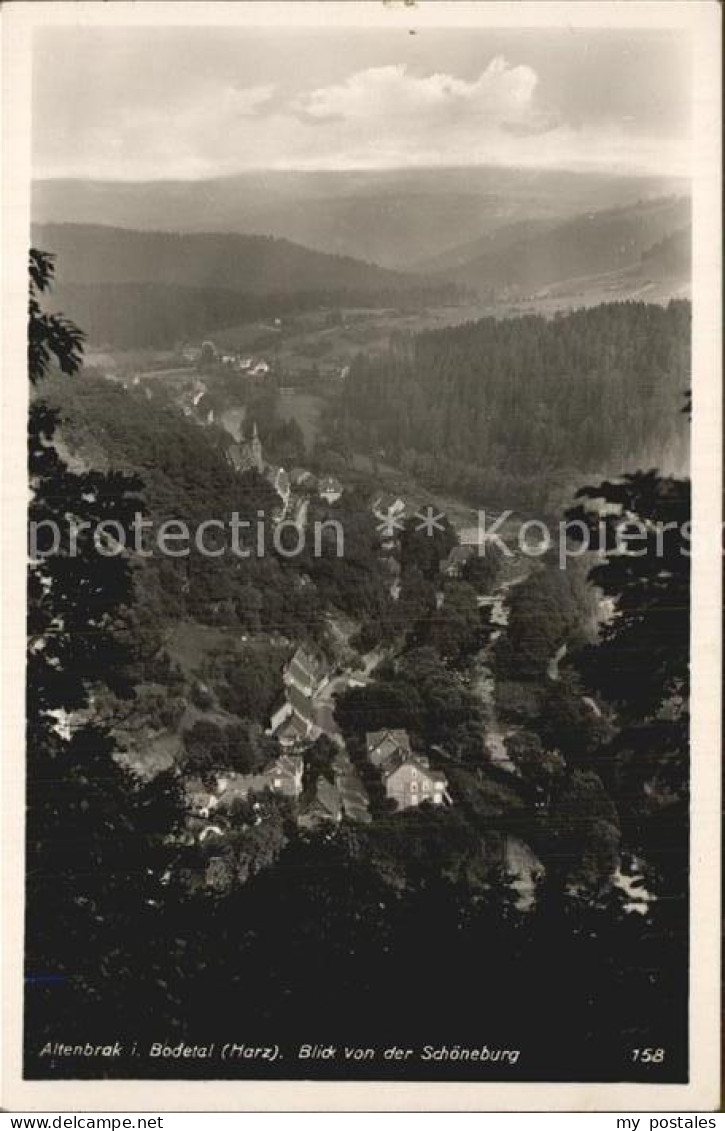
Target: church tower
[255, 450]
[247, 454]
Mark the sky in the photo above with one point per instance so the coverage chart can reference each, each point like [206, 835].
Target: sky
[189, 103]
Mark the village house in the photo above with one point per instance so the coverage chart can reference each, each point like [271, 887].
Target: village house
[409, 781]
[407, 777]
[455, 563]
[330, 489]
[308, 672]
[210, 799]
[284, 775]
[343, 796]
[382, 745]
[297, 729]
[323, 804]
[294, 719]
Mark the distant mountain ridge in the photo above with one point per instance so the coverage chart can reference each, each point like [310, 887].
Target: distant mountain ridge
[394, 217]
[536, 254]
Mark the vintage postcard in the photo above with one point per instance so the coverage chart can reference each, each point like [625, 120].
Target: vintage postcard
[362, 675]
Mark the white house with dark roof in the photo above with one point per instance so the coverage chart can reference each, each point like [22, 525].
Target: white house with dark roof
[409, 780]
[330, 489]
[408, 777]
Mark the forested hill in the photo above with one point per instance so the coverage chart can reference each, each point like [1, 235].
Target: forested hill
[135, 290]
[671, 256]
[585, 245]
[500, 408]
[93, 254]
[159, 315]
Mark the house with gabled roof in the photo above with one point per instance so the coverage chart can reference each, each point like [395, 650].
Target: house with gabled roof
[294, 718]
[409, 780]
[322, 804]
[295, 721]
[284, 775]
[382, 745]
[407, 776]
[296, 729]
[307, 671]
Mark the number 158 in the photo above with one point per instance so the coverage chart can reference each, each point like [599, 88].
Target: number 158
[648, 1056]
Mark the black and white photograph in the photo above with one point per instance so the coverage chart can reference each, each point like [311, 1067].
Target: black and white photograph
[357, 457]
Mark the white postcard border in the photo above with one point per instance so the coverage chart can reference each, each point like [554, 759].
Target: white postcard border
[701, 19]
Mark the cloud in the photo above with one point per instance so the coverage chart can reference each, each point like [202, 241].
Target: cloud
[373, 118]
[392, 95]
[390, 116]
